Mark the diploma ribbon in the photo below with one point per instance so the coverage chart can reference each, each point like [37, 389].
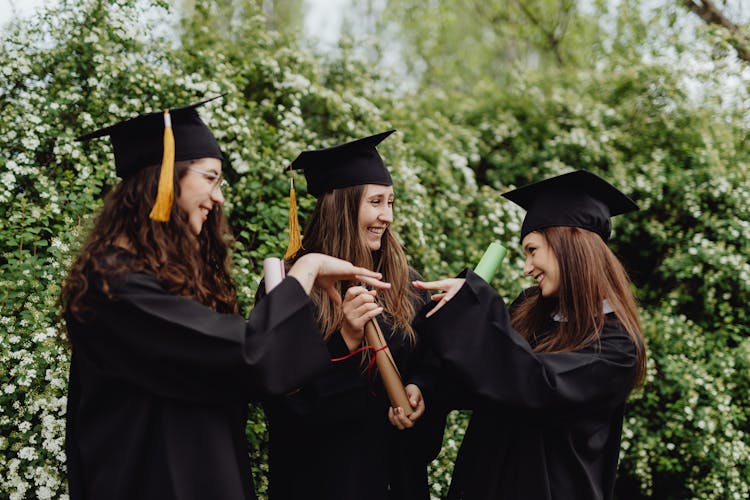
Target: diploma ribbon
[369, 364]
[362, 349]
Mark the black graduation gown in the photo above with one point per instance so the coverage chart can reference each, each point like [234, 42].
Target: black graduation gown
[332, 439]
[159, 386]
[545, 426]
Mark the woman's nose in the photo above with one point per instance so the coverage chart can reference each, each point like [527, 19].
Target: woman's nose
[386, 215]
[528, 267]
[217, 196]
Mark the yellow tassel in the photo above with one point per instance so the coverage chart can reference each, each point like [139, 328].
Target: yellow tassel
[295, 238]
[165, 194]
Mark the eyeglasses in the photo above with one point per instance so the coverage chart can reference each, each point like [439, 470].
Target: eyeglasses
[216, 180]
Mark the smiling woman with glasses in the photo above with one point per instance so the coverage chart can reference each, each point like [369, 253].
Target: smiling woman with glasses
[162, 366]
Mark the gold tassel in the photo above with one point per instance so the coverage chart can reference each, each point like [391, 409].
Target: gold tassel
[295, 238]
[165, 194]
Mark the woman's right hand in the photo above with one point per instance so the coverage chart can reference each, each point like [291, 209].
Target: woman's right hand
[324, 271]
[398, 417]
[359, 307]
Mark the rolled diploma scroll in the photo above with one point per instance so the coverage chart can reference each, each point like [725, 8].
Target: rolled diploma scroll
[273, 270]
[387, 368]
[490, 261]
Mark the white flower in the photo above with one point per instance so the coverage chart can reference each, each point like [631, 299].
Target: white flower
[30, 142]
[27, 453]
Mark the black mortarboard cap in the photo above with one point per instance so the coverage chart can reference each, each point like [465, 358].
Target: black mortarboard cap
[576, 199]
[138, 142]
[350, 164]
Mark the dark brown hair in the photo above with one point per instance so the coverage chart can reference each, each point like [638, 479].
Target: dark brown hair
[186, 265]
[333, 229]
[589, 274]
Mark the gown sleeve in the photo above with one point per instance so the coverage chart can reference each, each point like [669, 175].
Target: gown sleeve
[178, 348]
[330, 396]
[473, 335]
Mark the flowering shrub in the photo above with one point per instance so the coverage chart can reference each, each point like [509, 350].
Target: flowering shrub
[686, 435]
[86, 64]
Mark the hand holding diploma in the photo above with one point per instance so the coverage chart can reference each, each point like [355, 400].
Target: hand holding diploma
[273, 272]
[359, 307]
[399, 418]
[360, 310]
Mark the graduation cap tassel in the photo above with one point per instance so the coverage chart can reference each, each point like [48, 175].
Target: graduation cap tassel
[165, 194]
[295, 238]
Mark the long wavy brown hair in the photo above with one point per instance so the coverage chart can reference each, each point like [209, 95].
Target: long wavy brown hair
[186, 265]
[589, 274]
[333, 229]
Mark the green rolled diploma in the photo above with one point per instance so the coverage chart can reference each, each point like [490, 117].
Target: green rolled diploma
[490, 261]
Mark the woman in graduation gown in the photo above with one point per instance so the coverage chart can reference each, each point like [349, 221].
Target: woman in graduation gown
[162, 367]
[548, 379]
[332, 439]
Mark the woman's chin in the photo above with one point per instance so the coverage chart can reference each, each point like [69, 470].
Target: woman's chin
[195, 229]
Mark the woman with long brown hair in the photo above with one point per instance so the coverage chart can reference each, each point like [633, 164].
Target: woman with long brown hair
[548, 377]
[333, 439]
[162, 365]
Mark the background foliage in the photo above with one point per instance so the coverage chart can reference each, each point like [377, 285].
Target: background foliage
[617, 89]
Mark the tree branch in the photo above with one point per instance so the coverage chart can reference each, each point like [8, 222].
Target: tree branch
[553, 37]
[706, 10]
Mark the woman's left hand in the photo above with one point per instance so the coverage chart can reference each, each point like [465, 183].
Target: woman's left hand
[398, 418]
[451, 286]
